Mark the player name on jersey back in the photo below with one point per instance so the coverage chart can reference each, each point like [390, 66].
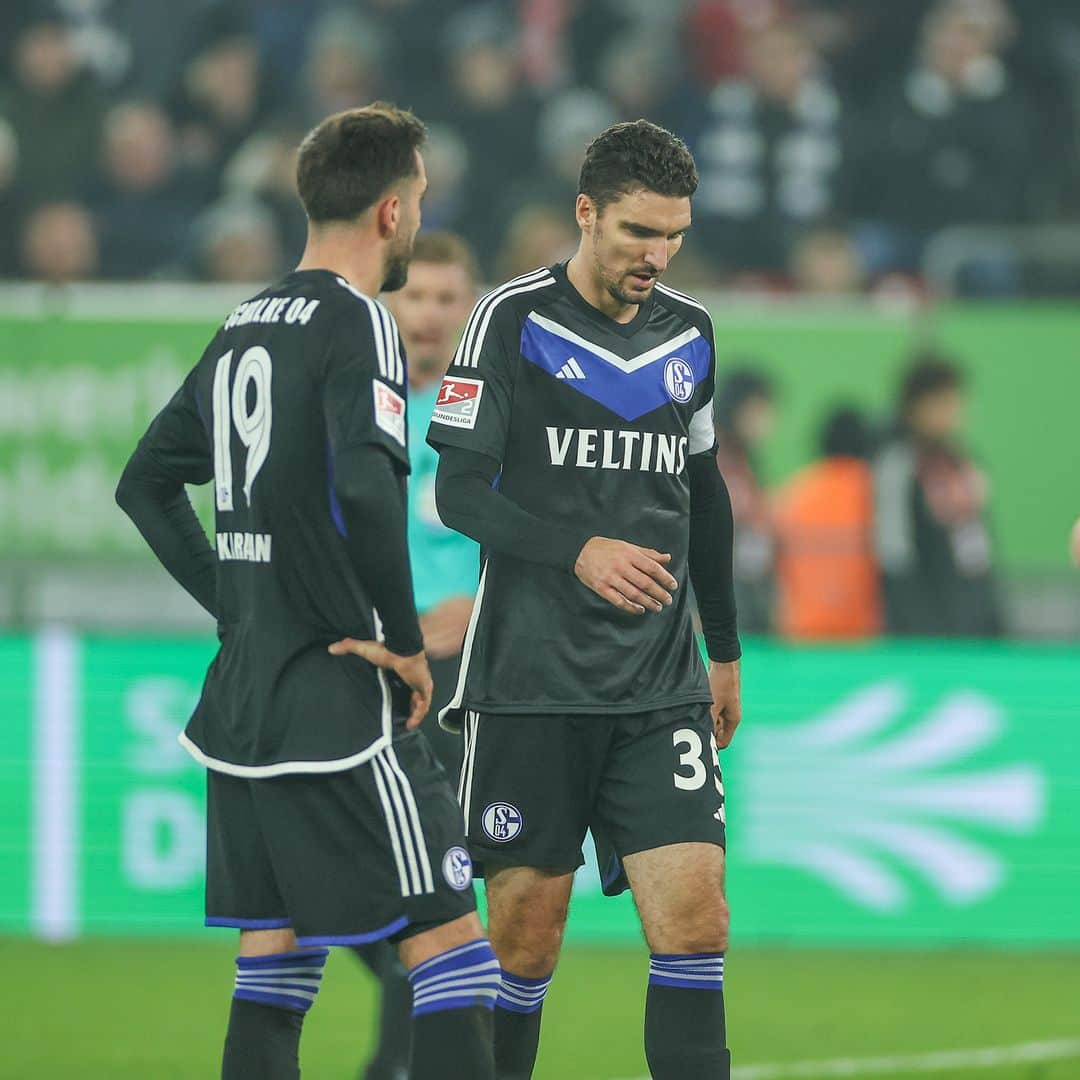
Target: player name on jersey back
[243, 547]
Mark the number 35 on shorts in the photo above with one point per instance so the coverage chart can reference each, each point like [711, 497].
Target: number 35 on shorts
[692, 766]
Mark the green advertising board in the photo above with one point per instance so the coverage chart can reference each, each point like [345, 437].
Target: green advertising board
[78, 385]
[885, 794]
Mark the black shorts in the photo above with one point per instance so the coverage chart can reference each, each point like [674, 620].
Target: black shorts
[343, 858]
[531, 786]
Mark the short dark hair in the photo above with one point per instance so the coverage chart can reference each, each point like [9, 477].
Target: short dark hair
[353, 157]
[845, 433]
[634, 156]
[927, 375]
[445, 249]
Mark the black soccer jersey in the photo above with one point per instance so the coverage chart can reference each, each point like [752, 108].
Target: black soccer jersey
[593, 422]
[302, 372]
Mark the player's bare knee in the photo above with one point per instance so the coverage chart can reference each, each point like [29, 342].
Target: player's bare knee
[529, 943]
[415, 950]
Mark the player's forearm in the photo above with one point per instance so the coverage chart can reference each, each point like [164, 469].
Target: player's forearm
[161, 511]
[712, 535]
[372, 500]
[468, 503]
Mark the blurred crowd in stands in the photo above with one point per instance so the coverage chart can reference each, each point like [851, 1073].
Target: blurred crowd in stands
[148, 139]
[887, 531]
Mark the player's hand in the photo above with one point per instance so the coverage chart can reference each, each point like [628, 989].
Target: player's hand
[412, 670]
[631, 578]
[444, 626]
[1074, 543]
[726, 708]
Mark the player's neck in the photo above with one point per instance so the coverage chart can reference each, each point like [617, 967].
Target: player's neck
[341, 252]
[594, 293]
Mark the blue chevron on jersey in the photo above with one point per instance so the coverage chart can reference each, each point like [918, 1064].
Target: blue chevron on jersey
[629, 387]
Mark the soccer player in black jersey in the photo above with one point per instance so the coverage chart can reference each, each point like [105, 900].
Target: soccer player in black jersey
[576, 440]
[329, 820]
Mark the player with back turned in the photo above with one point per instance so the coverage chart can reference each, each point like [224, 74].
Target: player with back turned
[329, 821]
[576, 441]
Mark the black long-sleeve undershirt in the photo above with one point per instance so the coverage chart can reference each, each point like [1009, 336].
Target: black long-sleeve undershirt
[712, 534]
[468, 503]
[371, 495]
[159, 506]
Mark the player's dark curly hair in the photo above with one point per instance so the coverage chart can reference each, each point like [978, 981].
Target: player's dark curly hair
[353, 157]
[634, 156]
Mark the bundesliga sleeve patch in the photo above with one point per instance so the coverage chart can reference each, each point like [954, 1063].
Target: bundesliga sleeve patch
[458, 402]
[389, 411]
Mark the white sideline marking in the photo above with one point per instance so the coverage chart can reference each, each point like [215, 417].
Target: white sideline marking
[987, 1057]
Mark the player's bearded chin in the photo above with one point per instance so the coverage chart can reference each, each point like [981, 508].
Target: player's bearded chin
[396, 270]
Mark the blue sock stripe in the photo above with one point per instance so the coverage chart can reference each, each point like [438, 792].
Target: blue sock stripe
[686, 957]
[284, 980]
[306, 957]
[525, 983]
[521, 994]
[446, 961]
[695, 971]
[460, 978]
[279, 1001]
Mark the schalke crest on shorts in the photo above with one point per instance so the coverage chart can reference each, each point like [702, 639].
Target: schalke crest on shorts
[502, 822]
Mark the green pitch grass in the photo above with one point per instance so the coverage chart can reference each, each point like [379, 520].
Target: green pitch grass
[149, 1010]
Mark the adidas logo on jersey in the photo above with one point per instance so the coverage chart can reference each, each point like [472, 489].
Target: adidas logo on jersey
[596, 448]
[570, 370]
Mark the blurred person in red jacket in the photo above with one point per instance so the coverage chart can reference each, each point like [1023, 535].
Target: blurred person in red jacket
[745, 414]
[827, 583]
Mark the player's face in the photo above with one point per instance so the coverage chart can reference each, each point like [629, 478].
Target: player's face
[399, 251]
[430, 310]
[633, 239]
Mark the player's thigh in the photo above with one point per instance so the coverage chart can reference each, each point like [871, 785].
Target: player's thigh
[679, 894]
[661, 803]
[241, 887]
[375, 852]
[526, 790]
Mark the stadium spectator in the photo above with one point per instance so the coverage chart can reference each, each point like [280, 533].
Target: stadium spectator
[931, 500]
[947, 144]
[827, 583]
[537, 235]
[220, 100]
[264, 170]
[567, 124]
[825, 262]
[342, 67]
[494, 112]
[237, 240]
[55, 109]
[769, 151]
[59, 244]
[745, 414]
[716, 33]
[641, 75]
[142, 204]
